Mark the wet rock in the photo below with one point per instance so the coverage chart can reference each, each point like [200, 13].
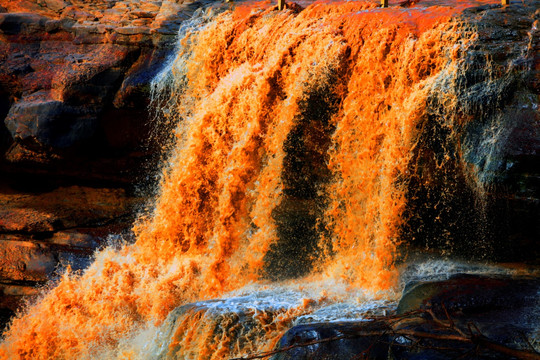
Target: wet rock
[500, 309]
[466, 294]
[195, 328]
[476, 193]
[334, 340]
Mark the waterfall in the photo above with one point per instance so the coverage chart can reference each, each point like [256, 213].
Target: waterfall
[292, 140]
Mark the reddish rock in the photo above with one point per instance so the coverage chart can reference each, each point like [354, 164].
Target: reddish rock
[61, 209]
[25, 261]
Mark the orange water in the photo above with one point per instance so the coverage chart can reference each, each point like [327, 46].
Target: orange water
[212, 224]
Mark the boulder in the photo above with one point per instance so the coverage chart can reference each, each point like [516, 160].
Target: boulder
[40, 119]
[492, 311]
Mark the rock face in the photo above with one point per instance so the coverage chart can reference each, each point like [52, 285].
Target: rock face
[73, 74]
[74, 128]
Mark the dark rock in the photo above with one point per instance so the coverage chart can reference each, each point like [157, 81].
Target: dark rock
[21, 23]
[49, 122]
[469, 294]
[503, 309]
[499, 310]
[334, 340]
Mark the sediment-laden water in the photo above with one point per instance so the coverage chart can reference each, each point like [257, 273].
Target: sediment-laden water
[282, 194]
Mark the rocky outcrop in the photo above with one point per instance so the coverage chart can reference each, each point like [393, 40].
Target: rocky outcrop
[74, 85]
[74, 128]
[72, 74]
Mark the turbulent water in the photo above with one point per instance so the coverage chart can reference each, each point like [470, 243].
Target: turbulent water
[292, 134]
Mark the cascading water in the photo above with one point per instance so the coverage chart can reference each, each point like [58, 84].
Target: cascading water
[293, 137]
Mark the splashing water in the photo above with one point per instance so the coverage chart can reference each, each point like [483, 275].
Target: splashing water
[343, 84]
